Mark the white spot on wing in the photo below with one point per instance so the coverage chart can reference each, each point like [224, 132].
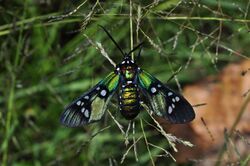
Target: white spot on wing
[123, 62]
[153, 89]
[158, 85]
[170, 93]
[103, 92]
[173, 105]
[98, 88]
[86, 113]
[86, 97]
[173, 100]
[78, 103]
[170, 109]
[82, 103]
[82, 110]
[177, 98]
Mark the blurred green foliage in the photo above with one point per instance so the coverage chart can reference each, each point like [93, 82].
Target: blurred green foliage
[47, 61]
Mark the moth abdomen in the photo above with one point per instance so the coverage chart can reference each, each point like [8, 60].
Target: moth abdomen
[129, 101]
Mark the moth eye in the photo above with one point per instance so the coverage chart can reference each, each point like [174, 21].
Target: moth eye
[123, 69]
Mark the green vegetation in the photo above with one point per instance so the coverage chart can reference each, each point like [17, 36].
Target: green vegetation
[48, 57]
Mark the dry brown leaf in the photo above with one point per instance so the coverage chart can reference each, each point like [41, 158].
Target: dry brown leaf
[224, 96]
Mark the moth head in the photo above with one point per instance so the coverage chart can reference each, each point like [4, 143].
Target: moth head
[127, 67]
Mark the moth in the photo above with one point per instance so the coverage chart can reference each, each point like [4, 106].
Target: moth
[132, 83]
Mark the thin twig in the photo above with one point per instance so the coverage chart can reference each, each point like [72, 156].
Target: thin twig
[199, 105]
[91, 137]
[88, 18]
[117, 123]
[99, 47]
[138, 21]
[146, 142]
[171, 139]
[174, 74]
[209, 132]
[104, 53]
[60, 17]
[134, 141]
[126, 153]
[126, 134]
[237, 120]
[131, 28]
[167, 153]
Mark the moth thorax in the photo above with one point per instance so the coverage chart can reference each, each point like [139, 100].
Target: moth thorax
[128, 72]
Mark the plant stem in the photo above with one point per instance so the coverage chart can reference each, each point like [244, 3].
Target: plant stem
[8, 122]
[237, 120]
[146, 142]
[12, 72]
[131, 28]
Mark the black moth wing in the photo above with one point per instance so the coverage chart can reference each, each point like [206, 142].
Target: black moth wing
[91, 106]
[164, 102]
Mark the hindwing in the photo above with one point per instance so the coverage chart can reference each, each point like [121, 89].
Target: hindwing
[164, 102]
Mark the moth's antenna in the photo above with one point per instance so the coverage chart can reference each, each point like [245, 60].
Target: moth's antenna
[113, 40]
[135, 48]
[139, 53]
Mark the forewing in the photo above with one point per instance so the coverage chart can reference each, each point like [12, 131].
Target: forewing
[91, 106]
[163, 101]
